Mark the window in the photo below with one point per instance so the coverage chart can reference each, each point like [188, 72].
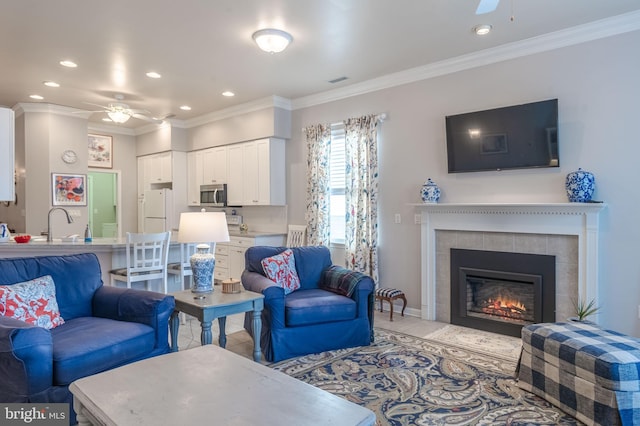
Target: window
[337, 170]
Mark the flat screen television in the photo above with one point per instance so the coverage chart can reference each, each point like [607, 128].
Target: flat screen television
[513, 137]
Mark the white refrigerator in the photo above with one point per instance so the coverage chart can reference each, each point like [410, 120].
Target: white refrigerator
[157, 208]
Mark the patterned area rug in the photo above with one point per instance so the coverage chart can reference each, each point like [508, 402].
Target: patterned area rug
[406, 380]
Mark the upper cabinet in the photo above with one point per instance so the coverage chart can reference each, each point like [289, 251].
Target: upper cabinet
[7, 147]
[158, 170]
[207, 166]
[257, 173]
[253, 171]
[214, 165]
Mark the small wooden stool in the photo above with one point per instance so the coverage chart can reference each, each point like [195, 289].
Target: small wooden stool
[390, 294]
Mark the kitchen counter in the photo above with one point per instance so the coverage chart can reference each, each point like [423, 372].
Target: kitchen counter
[255, 234]
[110, 251]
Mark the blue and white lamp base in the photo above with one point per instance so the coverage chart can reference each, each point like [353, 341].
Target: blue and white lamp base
[202, 264]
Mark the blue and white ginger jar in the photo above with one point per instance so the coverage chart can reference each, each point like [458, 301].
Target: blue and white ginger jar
[430, 193]
[580, 186]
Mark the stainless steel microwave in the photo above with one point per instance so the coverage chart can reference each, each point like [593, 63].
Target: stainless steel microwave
[213, 195]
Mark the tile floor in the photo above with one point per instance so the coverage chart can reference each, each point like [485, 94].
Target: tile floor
[239, 341]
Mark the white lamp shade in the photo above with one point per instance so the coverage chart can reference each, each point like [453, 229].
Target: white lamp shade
[203, 227]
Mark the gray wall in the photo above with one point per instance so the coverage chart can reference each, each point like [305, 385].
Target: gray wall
[597, 87]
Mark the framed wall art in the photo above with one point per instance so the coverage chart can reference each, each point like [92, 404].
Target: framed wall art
[100, 151]
[69, 190]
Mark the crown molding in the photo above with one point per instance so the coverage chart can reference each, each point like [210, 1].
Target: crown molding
[258, 104]
[111, 129]
[568, 37]
[22, 107]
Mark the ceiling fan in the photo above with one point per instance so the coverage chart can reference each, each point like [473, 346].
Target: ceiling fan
[120, 112]
[486, 6]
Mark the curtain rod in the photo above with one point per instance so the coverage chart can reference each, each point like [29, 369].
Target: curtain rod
[379, 117]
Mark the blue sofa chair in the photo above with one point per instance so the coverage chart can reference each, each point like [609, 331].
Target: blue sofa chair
[313, 318]
[104, 327]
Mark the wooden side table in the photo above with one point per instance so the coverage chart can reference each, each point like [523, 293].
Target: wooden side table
[208, 306]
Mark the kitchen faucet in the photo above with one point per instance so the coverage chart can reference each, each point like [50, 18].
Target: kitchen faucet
[69, 220]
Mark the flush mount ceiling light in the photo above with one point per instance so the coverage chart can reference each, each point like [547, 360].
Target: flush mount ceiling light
[271, 40]
[482, 29]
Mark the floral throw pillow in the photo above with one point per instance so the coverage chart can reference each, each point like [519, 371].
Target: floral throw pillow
[33, 302]
[281, 269]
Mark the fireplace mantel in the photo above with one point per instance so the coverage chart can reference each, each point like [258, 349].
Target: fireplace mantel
[577, 219]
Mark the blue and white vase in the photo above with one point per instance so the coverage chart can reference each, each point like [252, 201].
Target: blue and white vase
[430, 193]
[580, 186]
[202, 264]
[5, 235]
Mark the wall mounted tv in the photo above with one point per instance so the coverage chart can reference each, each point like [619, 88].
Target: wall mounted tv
[513, 137]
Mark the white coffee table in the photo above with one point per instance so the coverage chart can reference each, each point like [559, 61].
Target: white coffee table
[207, 385]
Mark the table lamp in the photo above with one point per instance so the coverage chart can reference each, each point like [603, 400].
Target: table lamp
[201, 227]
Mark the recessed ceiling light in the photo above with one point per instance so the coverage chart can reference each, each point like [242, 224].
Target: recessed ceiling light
[68, 64]
[50, 84]
[482, 29]
[185, 108]
[107, 119]
[36, 97]
[153, 74]
[228, 94]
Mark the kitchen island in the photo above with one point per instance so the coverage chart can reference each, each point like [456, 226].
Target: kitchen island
[111, 252]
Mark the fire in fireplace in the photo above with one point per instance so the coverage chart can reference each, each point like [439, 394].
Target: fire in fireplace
[500, 291]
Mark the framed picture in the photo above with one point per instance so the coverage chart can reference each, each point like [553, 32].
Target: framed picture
[69, 190]
[100, 151]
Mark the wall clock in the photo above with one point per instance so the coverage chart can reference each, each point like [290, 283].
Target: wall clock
[69, 156]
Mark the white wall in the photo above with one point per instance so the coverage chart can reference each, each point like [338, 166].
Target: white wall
[597, 87]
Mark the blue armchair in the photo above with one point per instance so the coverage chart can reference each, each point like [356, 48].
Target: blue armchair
[314, 318]
[104, 327]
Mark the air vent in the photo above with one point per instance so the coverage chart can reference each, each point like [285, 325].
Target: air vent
[338, 80]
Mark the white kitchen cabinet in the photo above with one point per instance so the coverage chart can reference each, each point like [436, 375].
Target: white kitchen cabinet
[230, 255]
[7, 147]
[160, 168]
[214, 165]
[256, 174]
[144, 172]
[235, 175]
[205, 167]
[156, 169]
[194, 177]
[221, 270]
[236, 256]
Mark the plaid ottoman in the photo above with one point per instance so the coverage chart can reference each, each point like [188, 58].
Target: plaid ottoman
[591, 373]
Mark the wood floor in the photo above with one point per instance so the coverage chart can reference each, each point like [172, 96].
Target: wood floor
[239, 341]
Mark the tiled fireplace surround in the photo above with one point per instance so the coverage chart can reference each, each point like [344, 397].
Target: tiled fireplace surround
[568, 231]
